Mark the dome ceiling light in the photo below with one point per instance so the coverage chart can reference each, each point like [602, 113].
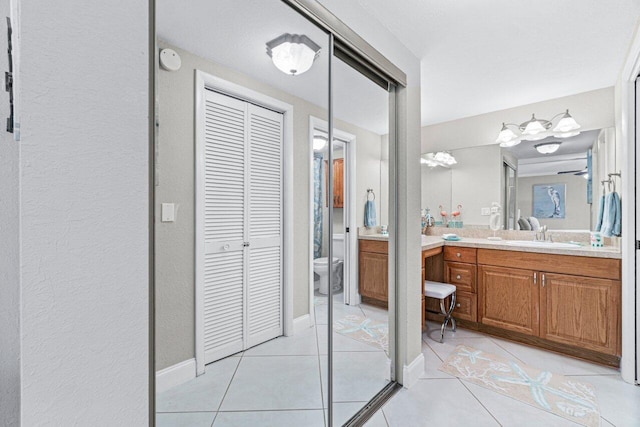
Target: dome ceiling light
[536, 129]
[293, 54]
[548, 147]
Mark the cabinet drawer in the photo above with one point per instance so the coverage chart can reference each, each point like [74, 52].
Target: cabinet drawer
[466, 306]
[376, 246]
[461, 275]
[458, 254]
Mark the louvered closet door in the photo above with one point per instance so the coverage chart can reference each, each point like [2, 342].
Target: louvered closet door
[225, 225]
[265, 298]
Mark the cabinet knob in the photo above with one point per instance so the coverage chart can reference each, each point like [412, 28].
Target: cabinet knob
[458, 305]
[458, 254]
[458, 277]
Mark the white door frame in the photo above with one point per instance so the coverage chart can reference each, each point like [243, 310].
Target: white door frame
[204, 81]
[351, 249]
[626, 134]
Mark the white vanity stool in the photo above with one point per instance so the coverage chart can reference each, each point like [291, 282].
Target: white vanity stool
[441, 291]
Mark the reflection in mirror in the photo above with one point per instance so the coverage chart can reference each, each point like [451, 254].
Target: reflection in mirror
[557, 182]
[236, 334]
[361, 357]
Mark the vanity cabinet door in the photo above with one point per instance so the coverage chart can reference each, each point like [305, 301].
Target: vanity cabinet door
[509, 299]
[581, 311]
[374, 275]
[338, 182]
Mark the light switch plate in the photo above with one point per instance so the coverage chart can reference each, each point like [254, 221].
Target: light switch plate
[485, 211]
[168, 213]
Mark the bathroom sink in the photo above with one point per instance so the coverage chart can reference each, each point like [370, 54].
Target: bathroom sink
[539, 244]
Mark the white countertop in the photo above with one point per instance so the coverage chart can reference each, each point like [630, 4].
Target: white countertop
[430, 242]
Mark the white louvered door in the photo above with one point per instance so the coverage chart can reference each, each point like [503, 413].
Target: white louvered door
[241, 225]
[265, 225]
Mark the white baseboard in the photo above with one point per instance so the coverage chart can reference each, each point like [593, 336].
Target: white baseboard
[301, 323]
[175, 375]
[412, 372]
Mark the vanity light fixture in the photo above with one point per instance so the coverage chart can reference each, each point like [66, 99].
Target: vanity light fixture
[293, 54]
[536, 129]
[547, 147]
[441, 158]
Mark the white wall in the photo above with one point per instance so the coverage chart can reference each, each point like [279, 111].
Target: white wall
[593, 110]
[9, 250]
[84, 213]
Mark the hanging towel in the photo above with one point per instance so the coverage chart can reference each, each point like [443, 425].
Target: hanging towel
[600, 213]
[612, 216]
[370, 214]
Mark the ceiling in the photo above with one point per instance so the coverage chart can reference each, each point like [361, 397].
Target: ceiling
[483, 56]
[233, 33]
[572, 155]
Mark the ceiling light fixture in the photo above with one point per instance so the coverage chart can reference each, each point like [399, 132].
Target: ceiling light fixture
[536, 129]
[441, 158]
[547, 147]
[319, 142]
[293, 54]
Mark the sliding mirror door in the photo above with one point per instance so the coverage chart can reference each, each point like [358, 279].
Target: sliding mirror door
[236, 337]
[361, 357]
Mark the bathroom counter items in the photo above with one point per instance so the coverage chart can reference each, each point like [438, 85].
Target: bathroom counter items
[430, 242]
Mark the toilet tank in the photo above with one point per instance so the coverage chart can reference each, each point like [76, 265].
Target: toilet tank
[338, 246]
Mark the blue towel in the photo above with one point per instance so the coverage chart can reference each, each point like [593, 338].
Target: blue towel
[600, 214]
[611, 219]
[370, 214]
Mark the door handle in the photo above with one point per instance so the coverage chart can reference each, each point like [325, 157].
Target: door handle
[535, 278]
[543, 280]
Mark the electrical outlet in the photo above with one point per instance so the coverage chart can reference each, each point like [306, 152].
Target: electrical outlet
[485, 211]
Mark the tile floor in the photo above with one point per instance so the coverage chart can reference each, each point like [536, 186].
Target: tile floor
[283, 381]
[440, 399]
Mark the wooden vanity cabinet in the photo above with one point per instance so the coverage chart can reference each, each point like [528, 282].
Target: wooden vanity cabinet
[460, 270]
[338, 182]
[580, 311]
[373, 278]
[563, 306]
[509, 299]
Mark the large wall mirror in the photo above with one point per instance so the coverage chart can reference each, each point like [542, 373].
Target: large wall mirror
[557, 181]
[261, 195]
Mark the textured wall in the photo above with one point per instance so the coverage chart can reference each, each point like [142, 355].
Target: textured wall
[9, 253]
[84, 171]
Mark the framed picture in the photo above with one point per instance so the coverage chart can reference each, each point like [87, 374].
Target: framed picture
[549, 200]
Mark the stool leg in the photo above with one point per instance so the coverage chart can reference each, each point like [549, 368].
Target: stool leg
[451, 308]
[444, 326]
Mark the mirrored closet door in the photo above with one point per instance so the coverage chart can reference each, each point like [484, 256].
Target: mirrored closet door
[271, 164]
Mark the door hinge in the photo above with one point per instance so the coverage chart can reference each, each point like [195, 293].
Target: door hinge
[347, 230]
[245, 244]
[637, 245]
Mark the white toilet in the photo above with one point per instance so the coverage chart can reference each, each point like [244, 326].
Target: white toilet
[322, 272]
